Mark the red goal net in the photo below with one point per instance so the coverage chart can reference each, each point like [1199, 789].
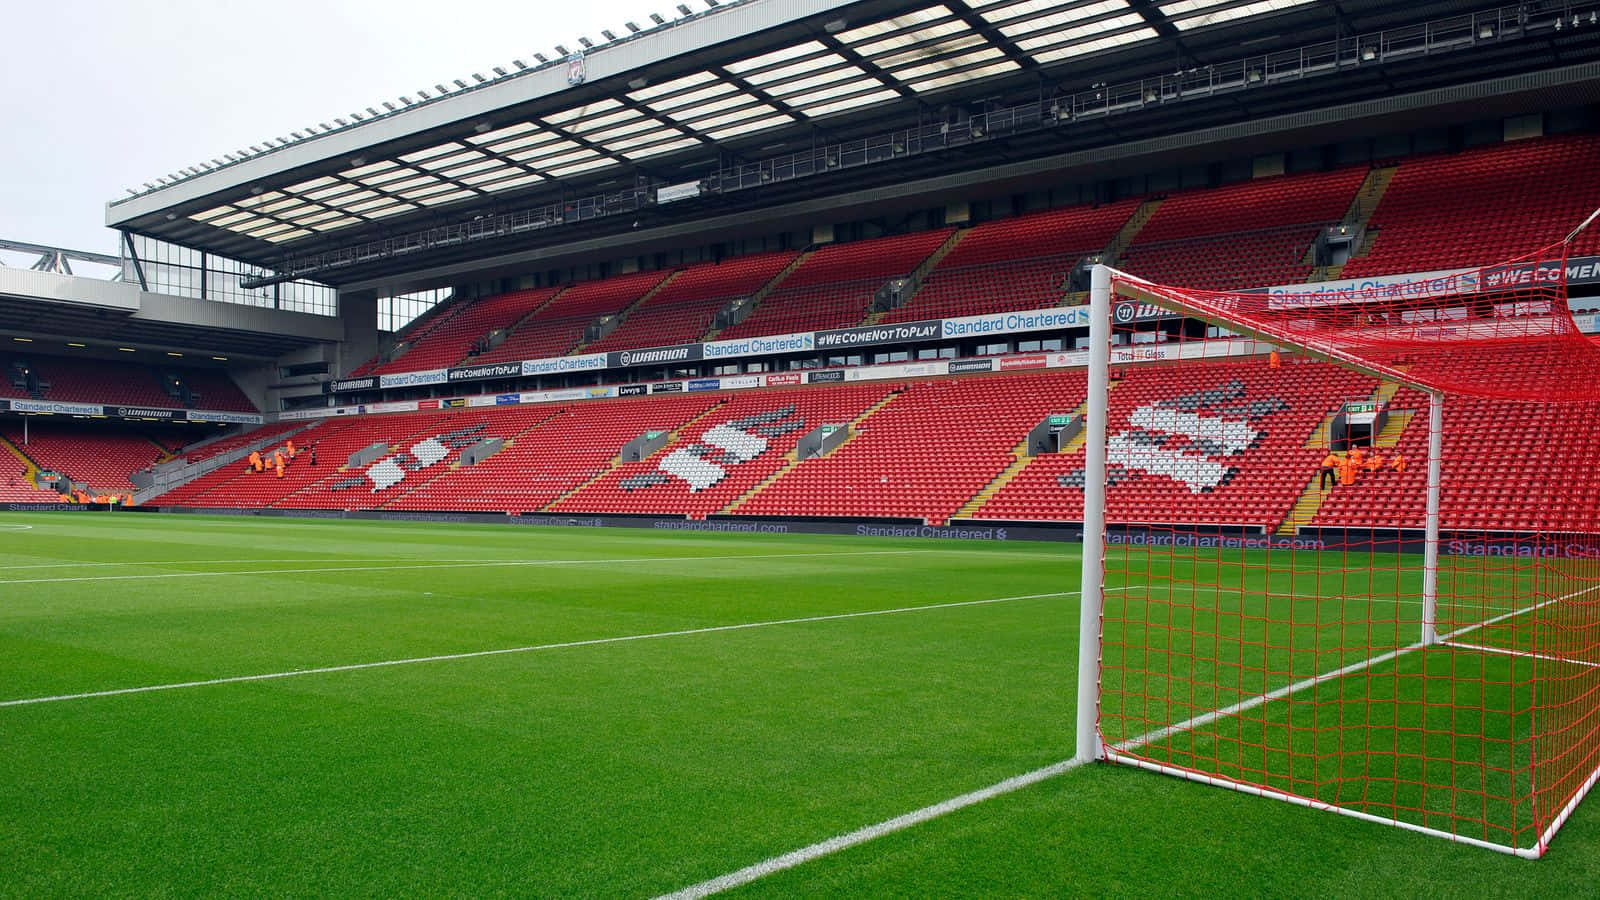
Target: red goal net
[1352, 547]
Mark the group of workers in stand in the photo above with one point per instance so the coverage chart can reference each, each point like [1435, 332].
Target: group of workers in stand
[278, 460]
[1343, 470]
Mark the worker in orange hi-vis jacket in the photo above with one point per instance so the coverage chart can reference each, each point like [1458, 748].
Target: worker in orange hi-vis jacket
[1397, 463]
[1359, 455]
[1374, 461]
[278, 464]
[289, 445]
[1348, 467]
[255, 461]
[1330, 471]
[1274, 359]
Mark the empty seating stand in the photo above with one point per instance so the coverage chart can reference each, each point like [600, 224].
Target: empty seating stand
[101, 455]
[564, 448]
[559, 326]
[1483, 206]
[1262, 483]
[834, 288]
[685, 308]
[453, 338]
[729, 451]
[1251, 234]
[1014, 264]
[926, 452]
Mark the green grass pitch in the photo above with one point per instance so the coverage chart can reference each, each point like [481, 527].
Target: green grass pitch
[602, 767]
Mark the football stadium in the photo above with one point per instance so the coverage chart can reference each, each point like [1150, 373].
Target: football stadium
[834, 447]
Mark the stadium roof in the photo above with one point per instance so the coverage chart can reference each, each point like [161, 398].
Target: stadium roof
[671, 103]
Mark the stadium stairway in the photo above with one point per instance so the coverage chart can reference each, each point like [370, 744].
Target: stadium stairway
[1356, 219]
[673, 437]
[919, 274]
[31, 467]
[1010, 472]
[792, 458]
[971, 507]
[769, 287]
[625, 312]
[1305, 508]
[1130, 230]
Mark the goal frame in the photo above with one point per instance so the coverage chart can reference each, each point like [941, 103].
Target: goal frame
[1090, 746]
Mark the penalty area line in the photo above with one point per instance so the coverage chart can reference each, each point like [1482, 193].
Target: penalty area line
[506, 651]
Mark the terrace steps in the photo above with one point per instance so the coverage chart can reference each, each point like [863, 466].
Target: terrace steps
[792, 458]
[1019, 461]
[611, 464]
[764, 290]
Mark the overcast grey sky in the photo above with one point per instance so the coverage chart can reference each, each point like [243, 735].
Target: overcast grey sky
[101, 96]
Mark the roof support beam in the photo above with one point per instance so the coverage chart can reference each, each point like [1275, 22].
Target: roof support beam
[133, 255]
[1164, 27]
[871, 68]
[993, 35]
[759, 93]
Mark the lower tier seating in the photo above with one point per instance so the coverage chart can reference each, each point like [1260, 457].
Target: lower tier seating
[565, 448]
[1201, 443]
[924, 453]
[100, 455]
[728, 451]
[1222, 442]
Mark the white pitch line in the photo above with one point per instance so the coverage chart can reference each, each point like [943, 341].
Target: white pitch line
[504, 651]
[833, 845]
[467, 565]
[15, 526]
[871, 832]
[207, 562]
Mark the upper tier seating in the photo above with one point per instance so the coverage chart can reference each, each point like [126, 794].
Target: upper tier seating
[452, 339]
[834, 287]
[117, 383]
[1484, 206]
[684, 309]
[1250, 234]
[559, 326]
[567, 447]
[101, 455]
[213, 390]
[1255, 483]
[725, 454]
[1014, 264]
[926, 452]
